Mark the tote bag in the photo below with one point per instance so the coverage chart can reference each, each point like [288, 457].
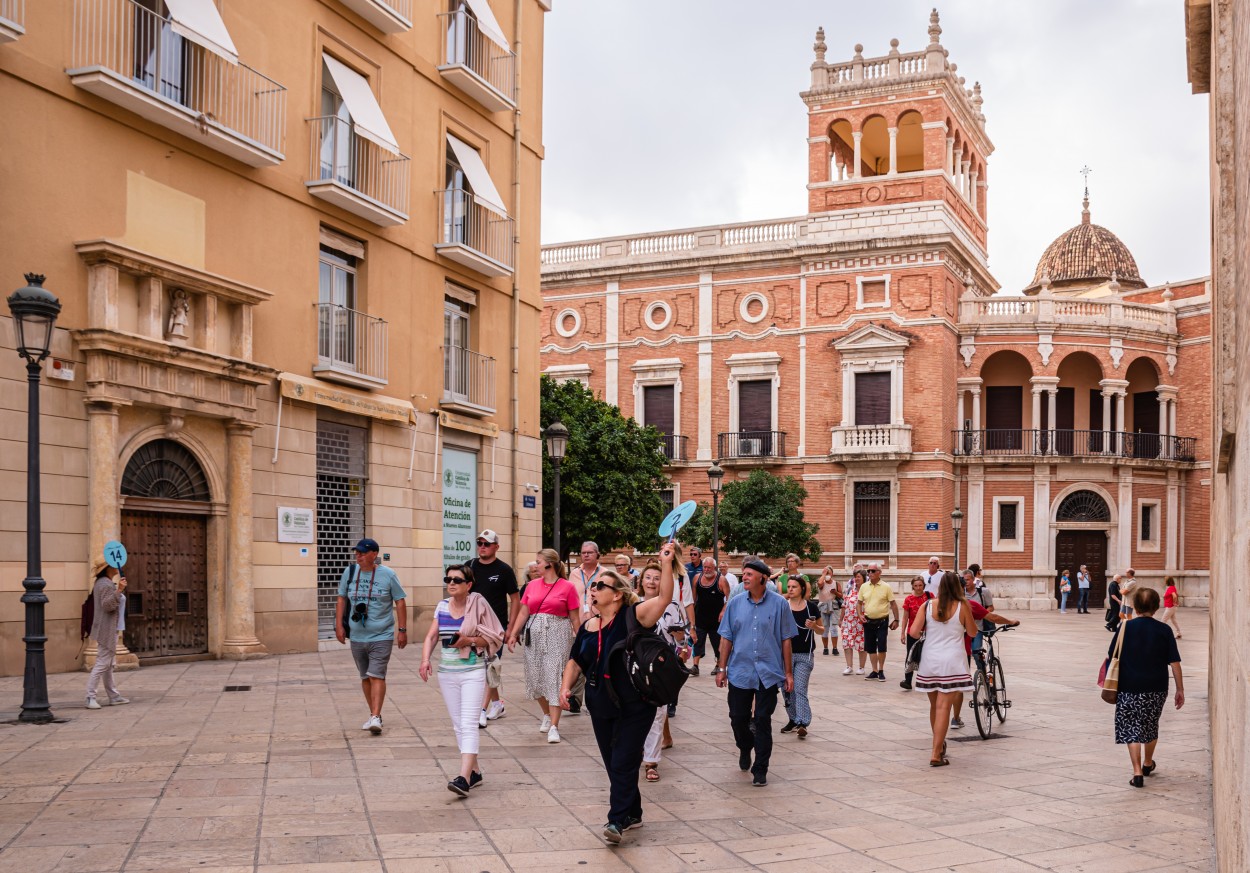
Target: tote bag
[1111, 680]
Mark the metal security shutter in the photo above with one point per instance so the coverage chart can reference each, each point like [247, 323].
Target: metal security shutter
[755, 406]
[872, 517]
[340, 510]
[872, 398]
[657, 407]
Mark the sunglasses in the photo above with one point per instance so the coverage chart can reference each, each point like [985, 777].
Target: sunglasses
[603, 586]
[454, 580]
[481, 543]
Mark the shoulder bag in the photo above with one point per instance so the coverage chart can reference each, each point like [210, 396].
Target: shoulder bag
[525, 632]
[913, 654]
[1111, 669]
[347, 610]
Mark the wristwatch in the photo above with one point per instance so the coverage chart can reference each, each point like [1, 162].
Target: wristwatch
[403, 630]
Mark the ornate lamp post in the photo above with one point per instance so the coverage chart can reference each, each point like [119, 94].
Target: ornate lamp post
[957, 522]
[557, 438]
[34, 312]
[715, 478]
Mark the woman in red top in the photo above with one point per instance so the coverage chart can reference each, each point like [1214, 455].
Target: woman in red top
[1168, 615]
[912, 605]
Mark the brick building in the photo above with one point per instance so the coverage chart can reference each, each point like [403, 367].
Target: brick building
[862, 348]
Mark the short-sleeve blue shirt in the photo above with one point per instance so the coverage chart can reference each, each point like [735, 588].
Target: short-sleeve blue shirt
[757, 631]
[379, 622]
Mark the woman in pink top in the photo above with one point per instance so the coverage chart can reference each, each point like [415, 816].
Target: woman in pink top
[1168, 615]
[550, 614]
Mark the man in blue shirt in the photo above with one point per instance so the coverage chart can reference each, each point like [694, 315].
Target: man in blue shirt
[371, 597]
[755, 660]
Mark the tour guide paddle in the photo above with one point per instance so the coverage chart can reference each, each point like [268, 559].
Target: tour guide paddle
[676, 519]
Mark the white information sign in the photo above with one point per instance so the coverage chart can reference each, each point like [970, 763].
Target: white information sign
[459, 506]
[295, 524]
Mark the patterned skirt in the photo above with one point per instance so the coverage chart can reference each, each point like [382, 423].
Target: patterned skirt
[1137, 715]
[551, 638]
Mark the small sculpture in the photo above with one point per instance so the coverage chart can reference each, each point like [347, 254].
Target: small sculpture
[179, 310]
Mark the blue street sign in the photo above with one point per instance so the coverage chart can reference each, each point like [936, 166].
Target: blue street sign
[115, 554]
[930, 525]
[529, 501]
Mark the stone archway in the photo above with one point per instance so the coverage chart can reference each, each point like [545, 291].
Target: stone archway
[1082, 520]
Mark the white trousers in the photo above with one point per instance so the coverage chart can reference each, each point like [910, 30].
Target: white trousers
[462, 692]
[655, 737]
[103, 669]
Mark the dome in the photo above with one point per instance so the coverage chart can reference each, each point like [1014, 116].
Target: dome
[1084, 257]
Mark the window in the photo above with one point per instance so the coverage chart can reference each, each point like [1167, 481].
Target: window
[336, 133]
[755, 418]
[872, 517]
[872, 398]
[455, 344]
[1008, 534]
[336, 297]
[657, 407]
[1149, 514]
[668, 496]
[161, 55]
[467, 183]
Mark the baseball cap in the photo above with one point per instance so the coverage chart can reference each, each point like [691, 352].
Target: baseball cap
[366, 545]
[489, 535]
[759, 566]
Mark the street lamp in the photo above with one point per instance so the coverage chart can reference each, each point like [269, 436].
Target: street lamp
[34, 312]
[557, 438]
[957, 521]
[715, 477]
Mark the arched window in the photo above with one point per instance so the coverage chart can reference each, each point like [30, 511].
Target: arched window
[1083, 506]
[165, 470]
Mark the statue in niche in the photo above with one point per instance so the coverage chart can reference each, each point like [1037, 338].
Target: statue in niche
[179, 311]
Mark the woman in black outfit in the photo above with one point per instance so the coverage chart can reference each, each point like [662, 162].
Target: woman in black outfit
[711, 589]
[1148, 650]
[620, 728]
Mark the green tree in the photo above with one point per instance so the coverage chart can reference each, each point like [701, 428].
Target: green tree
[611, 475]
[763, 515]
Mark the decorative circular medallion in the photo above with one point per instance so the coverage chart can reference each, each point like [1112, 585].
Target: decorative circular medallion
[753, 308]
[568, 322]
[873, 194]
[659, 315]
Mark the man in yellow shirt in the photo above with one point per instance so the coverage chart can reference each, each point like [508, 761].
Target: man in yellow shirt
[876, 602]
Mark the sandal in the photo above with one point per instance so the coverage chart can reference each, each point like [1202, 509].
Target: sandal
[940, 762]
[652, 772]
[667, 745]
[1147, 769]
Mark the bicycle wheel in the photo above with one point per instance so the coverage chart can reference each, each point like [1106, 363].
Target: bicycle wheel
[982, 705]
[1000, 690]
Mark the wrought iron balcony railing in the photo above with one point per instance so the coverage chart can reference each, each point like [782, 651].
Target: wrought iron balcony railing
[474, 234]
[356, 173]
[475, 63]
[747, 444]
[673, 447]
[350, 343]
[1072, 444]
[468, 380]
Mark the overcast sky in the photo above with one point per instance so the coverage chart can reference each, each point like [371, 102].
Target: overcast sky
[672, 113]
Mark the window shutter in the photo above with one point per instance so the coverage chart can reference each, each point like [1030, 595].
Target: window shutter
[657, 407]
[755, 406]
[872, 398]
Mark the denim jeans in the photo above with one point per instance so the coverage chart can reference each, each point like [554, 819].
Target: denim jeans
[1063, 601]
[1082, 605]
[753, 705]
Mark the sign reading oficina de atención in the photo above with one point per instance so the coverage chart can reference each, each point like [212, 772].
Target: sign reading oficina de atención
[459, 506]
[295, 524]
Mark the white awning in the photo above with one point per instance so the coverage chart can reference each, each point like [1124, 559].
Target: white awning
[487, 24]
[200, 22]
[479, 179]
[366, 113]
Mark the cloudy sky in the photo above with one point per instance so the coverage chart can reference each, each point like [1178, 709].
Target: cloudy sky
[672, 113]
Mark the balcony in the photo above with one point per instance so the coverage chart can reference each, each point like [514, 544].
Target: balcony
[351, 347]
[474, 235]
[12, 20]
[388, 16]
[357, 174]
[748, 445]
[673, 448]
[468, 381]
[475, 64]
[132, 57]
[870, 442]
[1103, 314]
[1101, 445]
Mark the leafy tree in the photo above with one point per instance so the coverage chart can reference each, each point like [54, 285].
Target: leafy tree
[611, 475]
[763, 514]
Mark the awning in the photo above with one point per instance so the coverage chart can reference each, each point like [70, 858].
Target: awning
[345, 399]
[366, 113]
[200, 22]
[487, 24]
[479, 179]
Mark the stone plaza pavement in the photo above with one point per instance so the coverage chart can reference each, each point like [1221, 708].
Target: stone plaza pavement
[281, 778]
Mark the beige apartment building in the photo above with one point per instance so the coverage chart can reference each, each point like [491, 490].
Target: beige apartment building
[254, 215]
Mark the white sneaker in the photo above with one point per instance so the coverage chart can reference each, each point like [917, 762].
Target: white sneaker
[118, 701]
[481, 719]
[92, 703]
[546, 725]
[553, 735]
[375, 725]
[859, 672]
[368, 724]
[496, 710]
[848, 671]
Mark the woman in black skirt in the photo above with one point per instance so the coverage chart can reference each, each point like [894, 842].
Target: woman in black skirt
[1149, 649]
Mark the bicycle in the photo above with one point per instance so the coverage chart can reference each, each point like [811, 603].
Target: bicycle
[989, 685]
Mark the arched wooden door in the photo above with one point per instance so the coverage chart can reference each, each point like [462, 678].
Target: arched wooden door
[1083, 543]
[164, 528]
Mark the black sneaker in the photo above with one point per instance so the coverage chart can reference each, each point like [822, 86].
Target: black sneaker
[635, 821]
[475, 779]
[672, 710]
[694, 670]
[744, 761]
[881, 676]
[612, 833]
[789, 727]
[575, 706]
[760, 779]
[834, 651]
[905, 685]
[872, 675]
[458, 786]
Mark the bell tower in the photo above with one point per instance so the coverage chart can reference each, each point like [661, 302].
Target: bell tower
[897, 131]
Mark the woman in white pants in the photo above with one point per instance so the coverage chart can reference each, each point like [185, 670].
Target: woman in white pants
[468, 635]
[672, 627]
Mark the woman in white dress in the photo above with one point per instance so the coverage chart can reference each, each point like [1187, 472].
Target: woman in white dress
[943, 673]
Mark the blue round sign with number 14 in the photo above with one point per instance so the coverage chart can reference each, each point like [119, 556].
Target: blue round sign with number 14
[115, 554]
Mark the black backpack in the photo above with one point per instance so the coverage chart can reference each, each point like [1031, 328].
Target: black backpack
[652, 666]
[87, 620]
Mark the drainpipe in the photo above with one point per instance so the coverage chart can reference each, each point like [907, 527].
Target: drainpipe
[515, 377]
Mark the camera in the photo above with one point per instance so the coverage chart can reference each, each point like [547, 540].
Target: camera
[449, 642]
[360, 612]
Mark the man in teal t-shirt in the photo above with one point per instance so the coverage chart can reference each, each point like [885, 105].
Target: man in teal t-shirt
[375, 605]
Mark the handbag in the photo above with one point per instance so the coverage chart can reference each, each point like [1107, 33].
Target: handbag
[525, 631]
[494, 672]
[1111, 678]
[347, 619]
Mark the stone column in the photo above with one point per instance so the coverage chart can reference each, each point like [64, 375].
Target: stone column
[1119, 415]
[1051, 394]
[893, 131]
[973, 190]
[1037, 410]
[858, 136]
[1106, 422]
[896, 393]
[950, 156]
[1167, 426]
[240, 642]
[960, 393]
[848, 395]
[976, 408]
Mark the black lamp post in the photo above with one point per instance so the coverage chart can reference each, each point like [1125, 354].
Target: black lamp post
[557, 438]
[34, 312]
[957, 522]
[715, 478]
